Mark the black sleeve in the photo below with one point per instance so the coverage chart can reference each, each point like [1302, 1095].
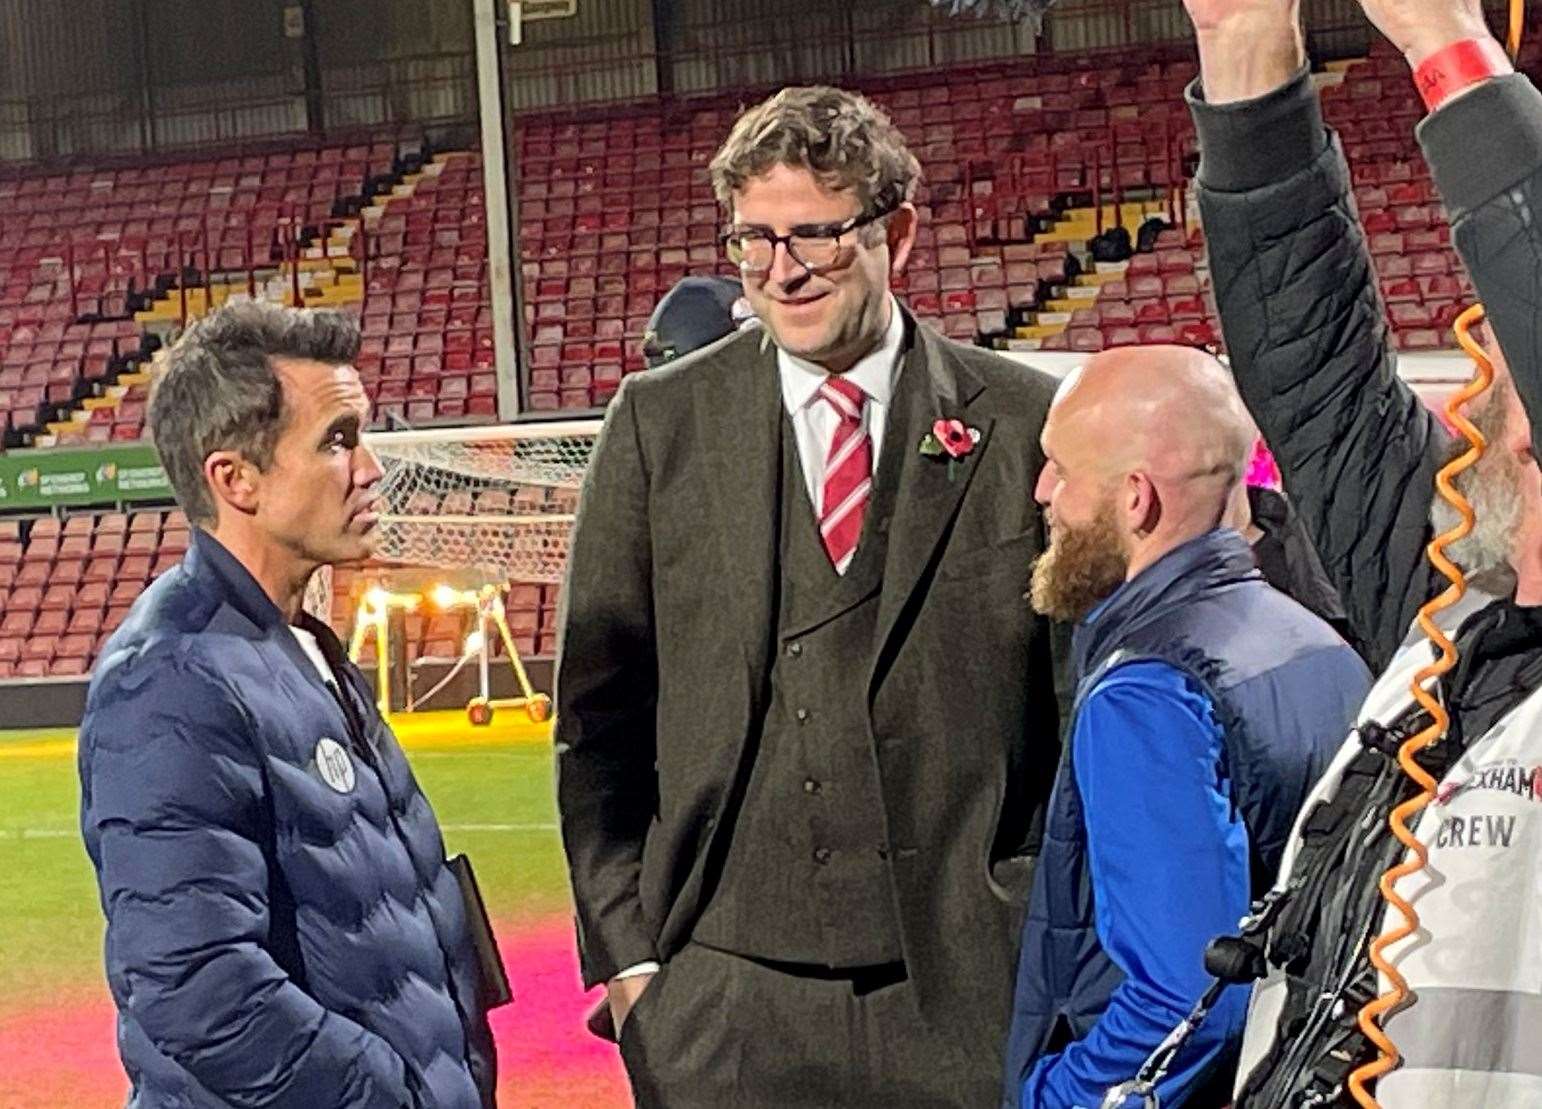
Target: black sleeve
[1485, 150]
[1307, 337]
[607, 690]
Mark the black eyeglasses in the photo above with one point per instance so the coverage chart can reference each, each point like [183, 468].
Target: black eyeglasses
[816, 249]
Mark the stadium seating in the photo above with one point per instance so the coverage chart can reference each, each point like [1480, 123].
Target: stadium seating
[615, 207]
[66, 585]
[613, 211]
[79, 252]
[427, 312]
[220, 212]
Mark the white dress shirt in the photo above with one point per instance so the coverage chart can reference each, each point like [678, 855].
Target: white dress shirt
[814, 421]
[312, 650]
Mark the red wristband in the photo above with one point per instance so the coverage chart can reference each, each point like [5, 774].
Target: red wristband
[1459, 66]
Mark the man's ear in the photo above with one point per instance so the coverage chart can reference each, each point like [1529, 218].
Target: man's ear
[1143, 505]
[233, 481]
[901, 228]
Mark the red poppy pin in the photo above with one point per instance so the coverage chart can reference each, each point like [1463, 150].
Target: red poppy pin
[952, 440]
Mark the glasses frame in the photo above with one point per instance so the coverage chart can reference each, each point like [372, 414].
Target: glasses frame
[834, 231]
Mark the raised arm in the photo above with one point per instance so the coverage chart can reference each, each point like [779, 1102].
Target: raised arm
[1303, 317]
[1483, 142]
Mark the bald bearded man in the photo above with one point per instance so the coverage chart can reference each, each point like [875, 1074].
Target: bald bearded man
[1206, 705]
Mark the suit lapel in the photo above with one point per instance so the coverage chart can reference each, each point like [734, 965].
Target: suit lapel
[933, 386]
[738, 418]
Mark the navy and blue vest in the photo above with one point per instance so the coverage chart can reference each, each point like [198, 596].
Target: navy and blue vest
[1284, 688]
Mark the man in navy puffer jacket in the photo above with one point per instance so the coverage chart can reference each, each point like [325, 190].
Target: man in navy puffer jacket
[282, 928]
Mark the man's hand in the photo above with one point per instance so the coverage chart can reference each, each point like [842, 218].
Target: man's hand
[1246, 47]
[1418, 28]
[623, 994]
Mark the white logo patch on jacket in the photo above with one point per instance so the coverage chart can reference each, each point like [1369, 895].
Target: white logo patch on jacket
[334, 765]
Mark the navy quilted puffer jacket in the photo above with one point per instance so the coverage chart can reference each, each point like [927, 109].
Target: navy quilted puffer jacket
[282, 930]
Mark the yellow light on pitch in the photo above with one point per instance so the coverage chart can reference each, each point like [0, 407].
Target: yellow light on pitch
[444, 596]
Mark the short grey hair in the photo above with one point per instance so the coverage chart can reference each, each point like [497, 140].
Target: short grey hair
[843, 139]
[218, 389]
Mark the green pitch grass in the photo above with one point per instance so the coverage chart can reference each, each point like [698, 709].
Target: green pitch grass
[495, 803]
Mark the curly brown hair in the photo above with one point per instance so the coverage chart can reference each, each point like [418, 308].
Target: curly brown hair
[843, 139]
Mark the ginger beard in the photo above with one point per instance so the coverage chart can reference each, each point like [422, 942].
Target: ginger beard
[1083, 565]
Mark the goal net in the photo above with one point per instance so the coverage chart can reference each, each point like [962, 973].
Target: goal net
[467, 509]
[498, 501]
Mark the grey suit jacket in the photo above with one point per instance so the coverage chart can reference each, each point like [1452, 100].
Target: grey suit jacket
[668, 627]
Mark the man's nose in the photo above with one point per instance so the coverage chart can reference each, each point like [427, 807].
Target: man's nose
[367, 470]
[1044, 488]
[785, 269]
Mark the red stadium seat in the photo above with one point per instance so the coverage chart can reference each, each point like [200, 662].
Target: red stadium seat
[1432, 262]
[16, 623]
[1085, 339]
[1197, 333]
[1142, 264]
[59, 598]
[1116, 313]
[1187, 308]
[38, 647]
[50, 622]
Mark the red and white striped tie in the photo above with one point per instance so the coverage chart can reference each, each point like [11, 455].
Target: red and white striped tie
[848, 473]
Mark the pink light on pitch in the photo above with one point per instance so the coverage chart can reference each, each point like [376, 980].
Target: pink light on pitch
[65, 1053]
[62, 1053]
[546, 1057]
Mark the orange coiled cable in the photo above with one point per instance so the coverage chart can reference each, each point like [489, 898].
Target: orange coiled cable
[1387, 1053]
[1388, 1056]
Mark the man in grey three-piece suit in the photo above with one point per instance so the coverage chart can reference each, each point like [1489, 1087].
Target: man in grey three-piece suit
[806, 719]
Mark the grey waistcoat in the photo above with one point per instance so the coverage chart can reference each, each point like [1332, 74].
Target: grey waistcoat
[806, 876]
